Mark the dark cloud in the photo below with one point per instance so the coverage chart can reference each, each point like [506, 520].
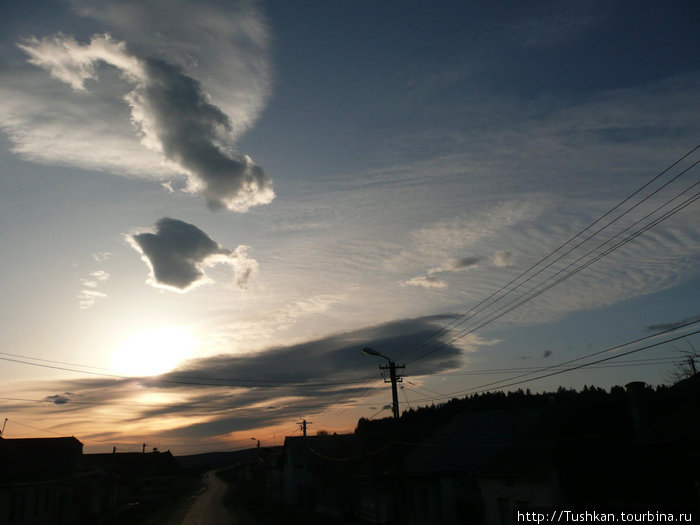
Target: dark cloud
[670, 326]
[307, 377]
[174, 108]
[57, 399]
[451, 265]
[178, 252]
[331, 358]
[171, 112]
[546, 354]
[456, 265]
[466, 262]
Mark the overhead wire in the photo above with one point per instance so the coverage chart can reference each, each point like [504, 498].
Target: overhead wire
[496, 371]
[261, 383]
[628, 198]
[15, 422]
[505, 384]
[232, 382]
[461, 319]
[588, 356]
[534, 290]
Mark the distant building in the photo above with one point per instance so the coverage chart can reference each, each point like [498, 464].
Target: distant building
[41, 481]
[49, 481]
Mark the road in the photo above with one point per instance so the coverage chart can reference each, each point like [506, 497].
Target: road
[208, 508]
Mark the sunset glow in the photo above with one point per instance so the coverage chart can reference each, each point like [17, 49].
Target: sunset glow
[153, 351]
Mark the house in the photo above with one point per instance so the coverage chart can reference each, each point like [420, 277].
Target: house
[317, 474]
[412, 478]
[43, 481]
[140, 477]
[439, 486]
[50, 481]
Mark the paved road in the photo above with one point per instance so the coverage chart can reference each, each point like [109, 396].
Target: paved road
[208, 508]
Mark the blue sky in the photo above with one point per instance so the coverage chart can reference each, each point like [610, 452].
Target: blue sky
[255, 191]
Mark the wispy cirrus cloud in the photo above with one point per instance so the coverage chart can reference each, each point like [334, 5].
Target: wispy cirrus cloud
[96, 277]
[102, 256]
[558, 24]
[426, 281]
[178, 254]
[89, 295]
[503, 258]
[172, 127]
[171, 114]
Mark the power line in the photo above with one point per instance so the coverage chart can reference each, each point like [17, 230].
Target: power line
[492, 386]
[628, 198]
[627, 363]
[495, 315]
[460, 319]
[588, 356]
[535, 293]
[247, 383]
[34, 428]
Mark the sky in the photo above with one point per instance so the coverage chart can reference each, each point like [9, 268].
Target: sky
[208, 209]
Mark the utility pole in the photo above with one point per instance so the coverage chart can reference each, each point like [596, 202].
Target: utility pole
[393, 377]
[303, 424]
[3, 427]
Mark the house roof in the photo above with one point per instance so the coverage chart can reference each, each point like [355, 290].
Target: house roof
[136, 463]
[39, 458]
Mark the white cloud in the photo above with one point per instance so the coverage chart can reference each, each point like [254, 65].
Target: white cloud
[100, 275]
[87, 298]
[426, 281]
[440, 245]
[251, 333]
[503, 258]
[225, 46]
[89, 295]
[102, 256]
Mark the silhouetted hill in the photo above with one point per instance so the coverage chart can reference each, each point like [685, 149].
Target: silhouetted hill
[198, 463]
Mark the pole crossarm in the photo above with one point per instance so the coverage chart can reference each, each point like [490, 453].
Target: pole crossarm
[393, 378]
[399, 378]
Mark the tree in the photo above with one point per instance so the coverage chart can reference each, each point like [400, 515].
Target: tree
[688, 365]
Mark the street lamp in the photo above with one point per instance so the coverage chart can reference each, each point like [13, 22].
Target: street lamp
[392, 376]
[371, 351]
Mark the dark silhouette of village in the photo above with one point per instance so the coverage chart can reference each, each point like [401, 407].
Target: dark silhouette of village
[478, 460]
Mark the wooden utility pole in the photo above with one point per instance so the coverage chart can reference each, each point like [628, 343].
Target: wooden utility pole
[303, 424]
[391, 367]
[393, 378]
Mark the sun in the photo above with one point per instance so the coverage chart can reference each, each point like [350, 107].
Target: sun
[153, 351]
